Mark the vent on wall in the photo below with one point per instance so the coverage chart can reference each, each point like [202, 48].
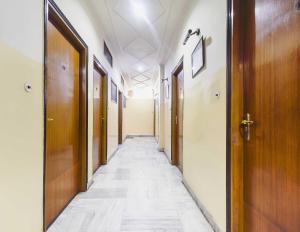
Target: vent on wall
[108, 55]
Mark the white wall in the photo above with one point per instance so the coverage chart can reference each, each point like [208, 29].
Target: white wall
[139, 117]
[204, 125]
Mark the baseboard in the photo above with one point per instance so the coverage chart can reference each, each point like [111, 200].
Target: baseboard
[202, 208]
[90, 183]
[163, 151]
[113, 154]
[132, 136]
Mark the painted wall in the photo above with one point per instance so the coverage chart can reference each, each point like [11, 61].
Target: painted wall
[21, 118]
[204, 126]
[139, 117]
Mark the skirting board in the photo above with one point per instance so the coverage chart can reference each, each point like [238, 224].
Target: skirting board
[170, 161]
[204, 211]
[90, 184]
[113, 154]
[132, 136]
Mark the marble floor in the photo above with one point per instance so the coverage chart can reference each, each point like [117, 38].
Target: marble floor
[138, 191]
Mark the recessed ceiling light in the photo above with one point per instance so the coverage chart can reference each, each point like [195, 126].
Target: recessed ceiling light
[138, 9]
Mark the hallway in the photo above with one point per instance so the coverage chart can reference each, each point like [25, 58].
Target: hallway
[137, 191]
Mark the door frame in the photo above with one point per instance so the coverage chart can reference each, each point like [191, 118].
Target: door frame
[235, 111]
[99, 67]
[174, 104]
[53, 14]
[120, 117]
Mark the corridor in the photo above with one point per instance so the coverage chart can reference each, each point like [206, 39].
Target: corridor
[137, 191]
[150, 116]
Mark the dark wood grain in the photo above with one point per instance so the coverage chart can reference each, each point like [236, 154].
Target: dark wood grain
[98, 118]
[120, 117]
[272, 160]
[236, 98]
[65, 150]
[99, 115]
[271, 94]
[62, 159]
[177, 115]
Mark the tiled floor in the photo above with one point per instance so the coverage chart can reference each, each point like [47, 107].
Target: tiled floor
[138, 191]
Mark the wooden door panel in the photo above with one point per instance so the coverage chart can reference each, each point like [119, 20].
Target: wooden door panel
[97, 121]
[62, 123]
[120, 118]
[272, 160]
[177, 116]
[180, 98]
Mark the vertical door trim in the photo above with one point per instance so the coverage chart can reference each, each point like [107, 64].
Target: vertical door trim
[54, 14]
[104, 78]
[235, 110]
[174, 102]
[120, 117]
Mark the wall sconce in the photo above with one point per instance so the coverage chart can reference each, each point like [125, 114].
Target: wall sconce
[165, 79]
[189, 34]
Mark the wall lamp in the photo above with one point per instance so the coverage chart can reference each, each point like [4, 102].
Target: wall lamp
[165, 79]
[189, 34]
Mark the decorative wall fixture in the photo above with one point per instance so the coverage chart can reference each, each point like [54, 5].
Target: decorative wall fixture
[108, 55]
[189, 34]
[198, 57]
[114, 92]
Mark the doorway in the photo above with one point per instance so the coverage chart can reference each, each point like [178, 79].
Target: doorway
[264, 112]
[120, 118]
[99, 115]
[65, 135]
[177, 115]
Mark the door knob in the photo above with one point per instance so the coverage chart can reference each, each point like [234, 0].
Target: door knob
[246, 124]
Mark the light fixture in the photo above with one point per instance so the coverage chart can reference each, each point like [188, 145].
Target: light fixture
[138, 9]
[140, 68]
[190, 33]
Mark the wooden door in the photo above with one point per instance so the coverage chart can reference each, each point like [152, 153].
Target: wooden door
[120, 118]
[272, 100]
[177, 117]
[98, 120]
[63, 163]
[180, 96]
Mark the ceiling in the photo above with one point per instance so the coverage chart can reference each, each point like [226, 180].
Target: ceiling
[140, 34]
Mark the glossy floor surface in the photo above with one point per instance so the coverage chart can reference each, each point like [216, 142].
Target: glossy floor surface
[137, 191]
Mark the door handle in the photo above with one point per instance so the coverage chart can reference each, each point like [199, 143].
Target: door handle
[50, 119]
[246, 124]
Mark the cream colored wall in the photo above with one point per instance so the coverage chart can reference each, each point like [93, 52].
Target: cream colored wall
[139, 117]
[21, 117]
[79, 16]
[204, 125]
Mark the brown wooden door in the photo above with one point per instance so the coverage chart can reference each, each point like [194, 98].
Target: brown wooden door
[120, 117]
[62, 181]
[177, 117]
[272, 98]
[180, 96]
[98, 120]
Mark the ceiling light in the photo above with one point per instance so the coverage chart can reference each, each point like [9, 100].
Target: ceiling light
[138, 8]
[140, 68]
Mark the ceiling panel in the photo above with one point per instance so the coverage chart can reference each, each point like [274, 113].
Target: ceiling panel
[141, 33]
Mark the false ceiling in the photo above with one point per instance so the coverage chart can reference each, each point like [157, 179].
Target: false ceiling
[140, 34]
